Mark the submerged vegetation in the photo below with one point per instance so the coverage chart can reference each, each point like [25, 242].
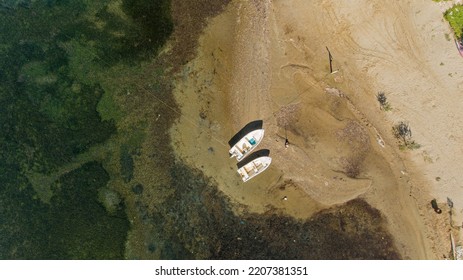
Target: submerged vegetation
[74, 225]
[57, 64]
[351, 231]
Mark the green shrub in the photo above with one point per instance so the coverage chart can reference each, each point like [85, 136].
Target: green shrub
[455, 17]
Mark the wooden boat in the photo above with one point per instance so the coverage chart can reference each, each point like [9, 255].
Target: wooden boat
[254, 164]
[246, 140]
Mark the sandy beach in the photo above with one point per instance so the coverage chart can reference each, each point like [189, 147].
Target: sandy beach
[268, 60]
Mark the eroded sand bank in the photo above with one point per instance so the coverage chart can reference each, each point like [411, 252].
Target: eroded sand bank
[267, 60]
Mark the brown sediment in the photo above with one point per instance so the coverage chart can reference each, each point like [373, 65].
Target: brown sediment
[268, 61]
[350, 231]
[197, 221]
[151, 110]
[189, 19]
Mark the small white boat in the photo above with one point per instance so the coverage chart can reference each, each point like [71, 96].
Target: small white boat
[254, 164]
[243, 142]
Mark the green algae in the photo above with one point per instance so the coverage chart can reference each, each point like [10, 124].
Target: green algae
[82, 228]
[74, 225]
[58, 58]
[108, 108]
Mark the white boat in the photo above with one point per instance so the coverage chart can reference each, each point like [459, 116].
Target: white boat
[243, 142]
[254, 164]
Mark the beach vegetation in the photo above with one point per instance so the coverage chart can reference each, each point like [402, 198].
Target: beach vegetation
[383, 103]
[454, 16]
[403, 132]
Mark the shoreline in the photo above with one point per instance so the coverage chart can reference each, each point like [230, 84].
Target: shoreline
[226, 73]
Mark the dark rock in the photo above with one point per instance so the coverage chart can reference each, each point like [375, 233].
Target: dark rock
[137, 189]
[151, 248]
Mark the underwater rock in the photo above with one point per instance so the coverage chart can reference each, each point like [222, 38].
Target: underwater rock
[110, 199]
[137, 189]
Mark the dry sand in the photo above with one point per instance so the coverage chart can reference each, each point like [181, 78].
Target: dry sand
[267, 60]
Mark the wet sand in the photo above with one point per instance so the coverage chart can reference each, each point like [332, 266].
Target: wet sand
[267, 60]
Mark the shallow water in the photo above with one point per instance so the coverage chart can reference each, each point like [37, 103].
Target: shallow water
[199, 218]
[86, 110]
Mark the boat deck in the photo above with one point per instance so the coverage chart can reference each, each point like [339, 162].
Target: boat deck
[254, 164]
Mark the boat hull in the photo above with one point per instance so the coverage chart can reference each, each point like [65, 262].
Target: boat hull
[254, 164]
[246, 140]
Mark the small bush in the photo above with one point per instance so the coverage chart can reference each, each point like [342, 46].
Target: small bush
[454, 16]
[381, 97]
[403, 132]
